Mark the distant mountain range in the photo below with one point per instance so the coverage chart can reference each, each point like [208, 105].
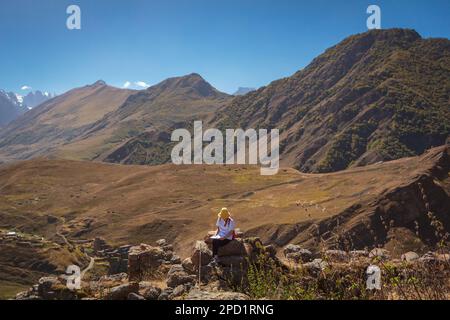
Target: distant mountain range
[10, 107]
[33, 99]
[243, 90]
[13, 105]
[94, 121]
[380, 95]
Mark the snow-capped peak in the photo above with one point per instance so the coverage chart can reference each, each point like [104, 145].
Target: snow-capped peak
[19, 98]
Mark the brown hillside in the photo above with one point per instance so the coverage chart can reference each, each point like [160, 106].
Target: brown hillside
[133, 204]
[45, 129]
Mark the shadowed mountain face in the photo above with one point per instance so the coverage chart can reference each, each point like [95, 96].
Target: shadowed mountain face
[10, 107]
[381, 95]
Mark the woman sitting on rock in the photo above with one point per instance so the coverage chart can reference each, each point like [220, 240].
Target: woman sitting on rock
[225, 231]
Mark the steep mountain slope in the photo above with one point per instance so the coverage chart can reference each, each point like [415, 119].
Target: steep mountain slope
[133, 204]
[10, 107]
[93, 121]
[58, 121]
[380, 95]
[139, 131]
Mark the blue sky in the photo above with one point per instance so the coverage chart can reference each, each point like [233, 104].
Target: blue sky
[230, 43]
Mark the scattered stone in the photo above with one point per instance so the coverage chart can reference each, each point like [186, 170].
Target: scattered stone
[300, 256]
[148, 291]
[168, 247]
[161, 242]
[178, 291]
[175, 260]
[143, 260]
[175, 268]
[379, 253]
[135, 296]
[337, 256]
[410, 256]
[356, 254]
[432, 258]
[165, 294]
[291, 248]
[121, 292]
[178, 278]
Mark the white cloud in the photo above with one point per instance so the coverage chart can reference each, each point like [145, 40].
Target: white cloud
[127, 84]
[26, 88]
[142, 84]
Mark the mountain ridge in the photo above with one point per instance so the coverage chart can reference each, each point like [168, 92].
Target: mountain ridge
[337, 111]
[375, 96]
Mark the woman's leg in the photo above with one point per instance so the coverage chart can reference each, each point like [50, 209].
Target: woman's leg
[217, 244]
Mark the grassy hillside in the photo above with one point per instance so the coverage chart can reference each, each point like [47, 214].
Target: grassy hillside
[376, 96]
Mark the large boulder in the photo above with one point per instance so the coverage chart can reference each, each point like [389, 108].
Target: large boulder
[122, 292]
[201, 255]
[300, 256]
[165, 294]
[233, 248]
[179, 278]
[143, 260]
[178, 291]
[188, 266]
[175, 268]
[410, 256]
[291, 248]
[135, 296]
[46, 287]
[149, 291]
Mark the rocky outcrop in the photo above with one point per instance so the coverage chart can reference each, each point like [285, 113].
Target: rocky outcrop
[145, 261]
[233, 260]
[123, 291]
